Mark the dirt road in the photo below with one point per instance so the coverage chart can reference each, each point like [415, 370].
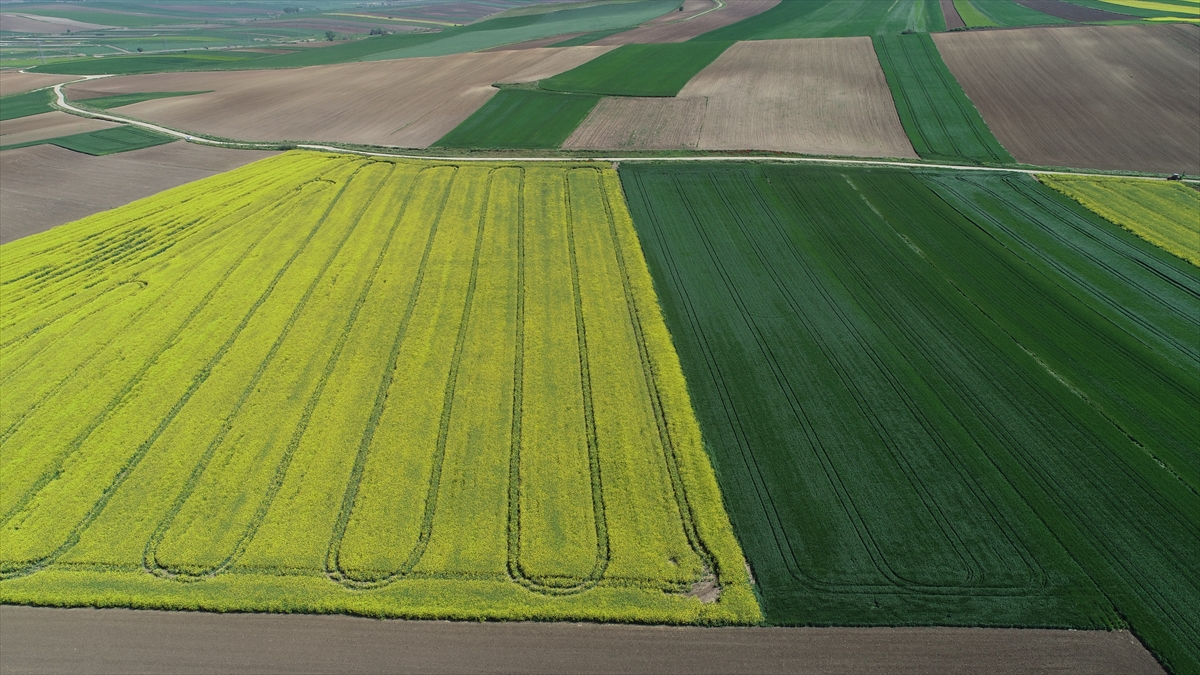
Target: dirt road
[41, 640]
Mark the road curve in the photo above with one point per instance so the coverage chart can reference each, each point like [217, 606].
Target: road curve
[67, 641]
[63, 105]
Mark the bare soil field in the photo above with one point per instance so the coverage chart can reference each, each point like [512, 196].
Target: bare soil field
[33, 23]
[824, 96]
[45, 185]
[950, 13]
[47, 125]
[628, 123]
[1073, 12]
[379, 103]
[666, 29]
[48, 640]
[1096, 97]
[15, 82]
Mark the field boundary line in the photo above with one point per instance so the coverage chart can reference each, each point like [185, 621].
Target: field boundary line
[687, 514]
[258, 145]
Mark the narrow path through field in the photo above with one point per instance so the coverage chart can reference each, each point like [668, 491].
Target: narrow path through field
[49, 640]
[62, 104]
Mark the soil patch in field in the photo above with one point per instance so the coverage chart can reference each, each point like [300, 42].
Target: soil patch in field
[121, 640]
[33, 23]
[1099, 97]
[375, 103]
[950, 13]
[45, 185]
[823, 96]
[15, 82]
[1073, 12]
[683, 26]
[627, 123]
[47, 125]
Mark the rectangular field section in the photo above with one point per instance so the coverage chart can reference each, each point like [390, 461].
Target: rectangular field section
[941, 121]
[386, 388]
[639, 70]
[937, 398]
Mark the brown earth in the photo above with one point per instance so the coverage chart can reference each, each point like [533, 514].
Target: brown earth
[47, 125]
[409, 103]
[682, 31]
[45, 185]
[641, 124]
[822, 96]
[32, 23]
[1073, 12]
[950, 13]
[15, 82]
[48, 640]
[1096, 97]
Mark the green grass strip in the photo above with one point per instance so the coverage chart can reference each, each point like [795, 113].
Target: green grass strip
[971, 16]
[588, 38]
[108, 102]
[639, 70]
[1009, 14]
[521, 118]
[103, 142]
[26, 104]
[941, 122]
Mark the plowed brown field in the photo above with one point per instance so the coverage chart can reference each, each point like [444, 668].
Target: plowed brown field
[951, 15]
[641, 124]
[45, 185]
[824, 96]
[677, 27]
[409, 104]
[1097, 97]
[15, 82]
[47, 125]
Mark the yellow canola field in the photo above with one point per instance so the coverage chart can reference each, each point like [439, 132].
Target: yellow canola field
[1166, 214]
[323, 383]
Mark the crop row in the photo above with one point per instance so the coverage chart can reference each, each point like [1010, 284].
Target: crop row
[379, 374]
[929, 396]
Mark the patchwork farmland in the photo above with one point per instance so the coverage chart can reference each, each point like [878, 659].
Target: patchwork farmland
[832, 336]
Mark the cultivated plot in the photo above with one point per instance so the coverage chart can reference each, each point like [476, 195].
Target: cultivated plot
[639, 70]
[1162, 213]
[90, 184]
[396, 389]
[1011, 13]
[835, 18]
[937, 398]
[15, 81]
[48, 125]
[820, 96]
[941, 121]
[632, 123]
[702, 19]
[521, 118]
[1097, 97]
[371, 103]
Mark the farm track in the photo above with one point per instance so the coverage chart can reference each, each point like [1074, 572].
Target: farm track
[62, 104]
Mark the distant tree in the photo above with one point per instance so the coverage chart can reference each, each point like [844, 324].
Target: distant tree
[139, 49]
[329, 35]
[291, 10]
